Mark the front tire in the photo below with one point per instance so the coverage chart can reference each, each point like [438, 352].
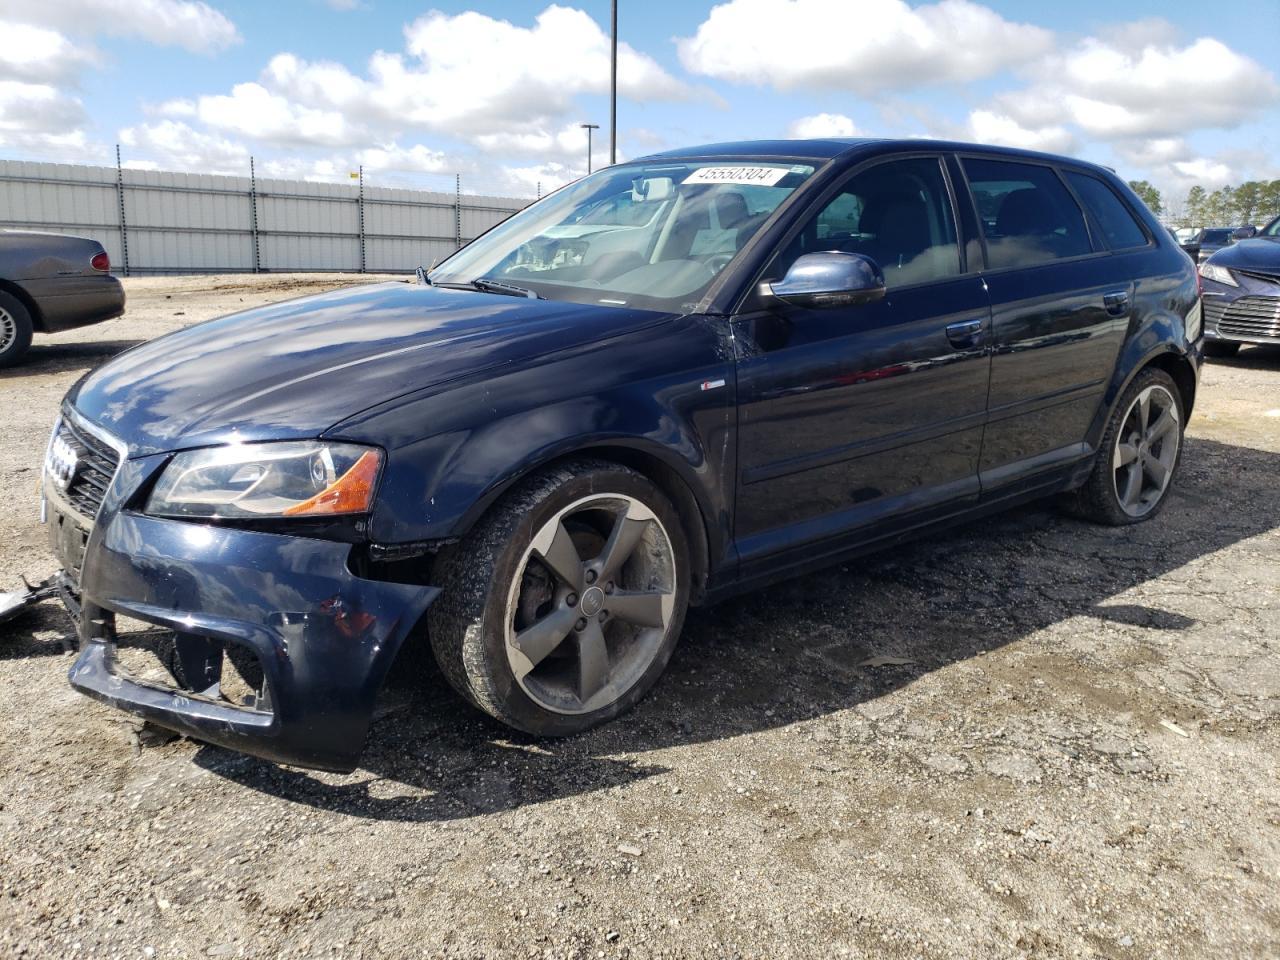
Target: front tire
[561, 608]
[15, 330]
[1139, 454]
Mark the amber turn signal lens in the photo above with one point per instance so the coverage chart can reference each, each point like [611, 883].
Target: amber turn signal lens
[350, 493]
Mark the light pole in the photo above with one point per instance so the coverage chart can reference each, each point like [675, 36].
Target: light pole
[589, 127]
[613, 90]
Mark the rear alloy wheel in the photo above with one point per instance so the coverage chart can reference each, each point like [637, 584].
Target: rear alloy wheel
[15, 330]
[562, 608]
[1141, 447]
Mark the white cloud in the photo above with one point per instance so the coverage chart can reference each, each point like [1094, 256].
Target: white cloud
[474, 76]
[986, 126]
[173, 145]
[254, 111]
[38, 54]
[822, 125]
[193, 25]
[864, 47]
[1160, 90]
[39, 119]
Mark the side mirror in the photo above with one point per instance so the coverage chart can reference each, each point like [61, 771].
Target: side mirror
[1244, 233]
[829, 279]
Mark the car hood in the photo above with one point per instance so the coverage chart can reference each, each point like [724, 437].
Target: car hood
[292, 369]
[1256, 253]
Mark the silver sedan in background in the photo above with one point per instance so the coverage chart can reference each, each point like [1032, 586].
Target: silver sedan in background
[51, 282]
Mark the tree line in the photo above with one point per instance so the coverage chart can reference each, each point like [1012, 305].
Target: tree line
[1254, 201]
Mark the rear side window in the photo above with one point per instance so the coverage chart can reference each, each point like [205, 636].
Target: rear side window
[1109, 212]
[1028, 216]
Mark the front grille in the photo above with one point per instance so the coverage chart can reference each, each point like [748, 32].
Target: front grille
[1251, 317]
[96, 463]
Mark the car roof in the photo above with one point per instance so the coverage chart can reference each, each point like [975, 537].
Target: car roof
[830, 148]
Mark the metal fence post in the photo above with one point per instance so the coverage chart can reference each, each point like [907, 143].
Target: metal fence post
[361, 202]
[124, 227]
[457, 209]
[253, 217]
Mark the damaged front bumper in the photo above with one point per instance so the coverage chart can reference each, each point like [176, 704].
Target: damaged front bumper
[310, 640]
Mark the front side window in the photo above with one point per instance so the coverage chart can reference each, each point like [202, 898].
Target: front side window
[897, 213]
[1109, 212]
[649, 235]
[1028, 217]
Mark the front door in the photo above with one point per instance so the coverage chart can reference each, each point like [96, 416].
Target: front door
[850, 415]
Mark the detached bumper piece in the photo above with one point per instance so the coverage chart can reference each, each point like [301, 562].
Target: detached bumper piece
[58, 586]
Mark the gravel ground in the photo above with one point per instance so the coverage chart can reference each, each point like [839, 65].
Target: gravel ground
[1029, 737]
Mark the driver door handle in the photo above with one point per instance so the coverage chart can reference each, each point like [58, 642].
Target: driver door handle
[965, 333]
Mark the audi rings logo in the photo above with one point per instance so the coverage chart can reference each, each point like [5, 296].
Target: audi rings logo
[61, 462]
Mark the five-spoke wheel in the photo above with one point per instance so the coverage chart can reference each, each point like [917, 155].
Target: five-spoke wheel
[562, 607]
[592, 603]
[1139, 453]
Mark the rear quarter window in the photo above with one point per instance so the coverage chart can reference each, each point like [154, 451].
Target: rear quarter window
[1117, 223]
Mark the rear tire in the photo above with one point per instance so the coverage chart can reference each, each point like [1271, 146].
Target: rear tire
[15, 329]
[1139, 454]
[1220, 348]
[561, 608]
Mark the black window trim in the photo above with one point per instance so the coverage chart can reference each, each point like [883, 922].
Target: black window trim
[747, 300]
[1148, 240]
[1099, 247]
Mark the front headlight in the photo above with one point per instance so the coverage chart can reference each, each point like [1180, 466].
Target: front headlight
[1211, 271]
[265, 480]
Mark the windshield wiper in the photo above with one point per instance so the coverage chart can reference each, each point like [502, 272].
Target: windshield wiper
[498, 286]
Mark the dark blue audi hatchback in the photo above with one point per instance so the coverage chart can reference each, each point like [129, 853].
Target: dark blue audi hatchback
[676, 379]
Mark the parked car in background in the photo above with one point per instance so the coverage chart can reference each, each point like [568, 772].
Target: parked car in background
[1208, 241]
[1242, 293]
[51, 282]
[548, 448]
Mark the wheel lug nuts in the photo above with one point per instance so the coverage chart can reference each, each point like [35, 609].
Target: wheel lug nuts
[591, 576]
[608, 587]
[571, 599]
[604, 615]
[580, 625]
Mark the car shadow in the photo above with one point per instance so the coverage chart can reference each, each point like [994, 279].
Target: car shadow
[1258, 356]
[55, 357]
[796, 652]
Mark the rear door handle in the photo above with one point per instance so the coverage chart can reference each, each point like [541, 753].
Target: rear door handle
[965, 333]
[1116, 302]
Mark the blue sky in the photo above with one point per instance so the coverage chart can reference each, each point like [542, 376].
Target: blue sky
[1178, 93]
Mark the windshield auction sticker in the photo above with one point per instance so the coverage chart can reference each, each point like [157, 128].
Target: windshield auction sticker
[760, 176]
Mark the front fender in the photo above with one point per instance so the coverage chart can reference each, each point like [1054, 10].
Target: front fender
[665, 394]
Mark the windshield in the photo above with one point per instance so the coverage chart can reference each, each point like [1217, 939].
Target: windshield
[650, 235]
[1272, 229]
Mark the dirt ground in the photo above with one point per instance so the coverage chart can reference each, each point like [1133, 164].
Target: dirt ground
[1080, 756]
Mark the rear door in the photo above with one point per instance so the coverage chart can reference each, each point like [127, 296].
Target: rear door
[850, 415]
[1060, 310]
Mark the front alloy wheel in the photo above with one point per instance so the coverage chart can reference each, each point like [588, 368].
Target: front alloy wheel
[561, 608]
